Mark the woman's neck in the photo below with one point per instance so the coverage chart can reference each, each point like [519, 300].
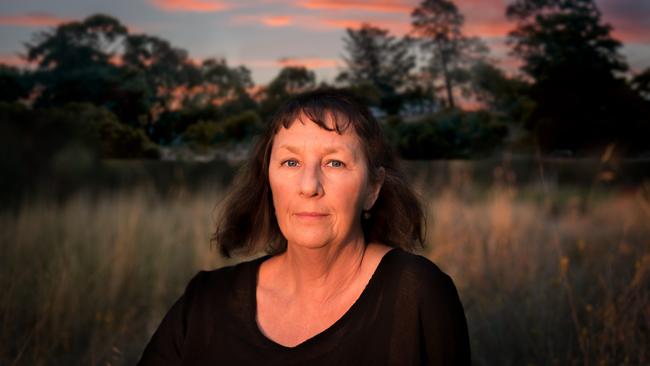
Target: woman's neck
[321, 273]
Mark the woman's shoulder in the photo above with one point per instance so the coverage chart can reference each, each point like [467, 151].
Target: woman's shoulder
[414, 264]
[418, 273]
[233, 276]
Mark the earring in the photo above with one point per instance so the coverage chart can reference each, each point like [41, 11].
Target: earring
[366, 214]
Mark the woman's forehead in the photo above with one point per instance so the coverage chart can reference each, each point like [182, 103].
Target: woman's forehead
[303, 133]
[327, 119]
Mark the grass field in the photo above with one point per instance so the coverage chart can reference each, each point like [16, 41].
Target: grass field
[548, 274]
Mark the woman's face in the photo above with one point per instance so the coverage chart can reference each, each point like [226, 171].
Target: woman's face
[319, 181]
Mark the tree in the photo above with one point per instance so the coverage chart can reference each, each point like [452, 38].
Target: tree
[78, 62]
[14, 83]
[503, 95]
[76, 45]
[166, 68]
[555, 35]
[575, 65]
[379, 60]
[641, 84]
[438, 26]
[290, 80]
[220, 84]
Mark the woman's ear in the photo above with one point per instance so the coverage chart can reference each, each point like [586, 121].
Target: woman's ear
[375, 188]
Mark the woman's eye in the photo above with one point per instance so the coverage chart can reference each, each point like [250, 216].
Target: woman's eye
[336, 164]
[290, 163]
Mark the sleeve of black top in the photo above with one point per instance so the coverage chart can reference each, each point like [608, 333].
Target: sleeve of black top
[166, 345]
[445, 334]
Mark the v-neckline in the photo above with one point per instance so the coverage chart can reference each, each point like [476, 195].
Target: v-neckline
[372, 282]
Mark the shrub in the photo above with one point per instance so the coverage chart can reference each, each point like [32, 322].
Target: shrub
[450, 134]
[202, 133]
[242, 126]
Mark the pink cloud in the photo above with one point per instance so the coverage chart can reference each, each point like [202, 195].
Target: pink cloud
[630, 19]
[320, 23]
[194, 6]
[481, 29]
[630, 34]
[277, 21]
[33, 20]
[386, 6]
[13, 60]
[395, 27]
[308, 62]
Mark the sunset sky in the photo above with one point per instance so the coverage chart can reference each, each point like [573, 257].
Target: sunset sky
[265, 35]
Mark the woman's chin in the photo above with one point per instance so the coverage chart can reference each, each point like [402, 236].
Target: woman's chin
[310, 241]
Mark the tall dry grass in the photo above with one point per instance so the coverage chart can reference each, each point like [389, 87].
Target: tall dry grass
[547, 275]
[85, 282]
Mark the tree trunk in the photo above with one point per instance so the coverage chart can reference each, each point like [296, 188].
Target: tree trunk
[445, 75]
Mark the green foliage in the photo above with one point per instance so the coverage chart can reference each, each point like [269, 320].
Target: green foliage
[581, 102]
[438, 26]
[556, 37]
[367, 92]
[136, 76]
[36, 135]
[118, 140]
[241, 126]
[506, 97]
[171, 124]
[77, 44]
[379, 60]
[122, 91]
[165, 67]
[450, 134]
[202, 133]
[641, 84]
[290, 80]
[234, 128]
[14, 83]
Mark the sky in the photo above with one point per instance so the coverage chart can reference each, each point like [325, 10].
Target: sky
[265, 35]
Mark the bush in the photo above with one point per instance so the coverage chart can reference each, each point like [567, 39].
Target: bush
[450, 134]
[172, 124]
[118, 140]
[232, 129]
[202, 133]
[421, 141]
[242, 126]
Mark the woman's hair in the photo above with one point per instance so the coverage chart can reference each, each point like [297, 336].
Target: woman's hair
[247, 221]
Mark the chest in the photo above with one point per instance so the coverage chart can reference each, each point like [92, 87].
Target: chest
[289, 321]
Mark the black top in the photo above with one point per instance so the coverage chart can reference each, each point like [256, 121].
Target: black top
[408, 314]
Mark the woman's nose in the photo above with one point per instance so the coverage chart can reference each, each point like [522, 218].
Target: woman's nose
[310, 181]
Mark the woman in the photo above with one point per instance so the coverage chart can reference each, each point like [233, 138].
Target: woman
[323, 196]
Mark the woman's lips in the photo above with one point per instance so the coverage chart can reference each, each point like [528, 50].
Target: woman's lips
[311, 215]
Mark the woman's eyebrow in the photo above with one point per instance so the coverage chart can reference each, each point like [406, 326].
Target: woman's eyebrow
[294, 150]
[326, 151]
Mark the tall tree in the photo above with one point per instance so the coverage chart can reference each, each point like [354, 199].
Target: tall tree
[555, 35]
[641, 84]
[166, 68]
[15, 84]
[505, 96]
[73, 45]
[78, 61]
[219, 83]
[290, 80]
[438, 26]
[375, 58]
[575, 64]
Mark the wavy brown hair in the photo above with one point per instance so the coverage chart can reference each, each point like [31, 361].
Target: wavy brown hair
[247, 221]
